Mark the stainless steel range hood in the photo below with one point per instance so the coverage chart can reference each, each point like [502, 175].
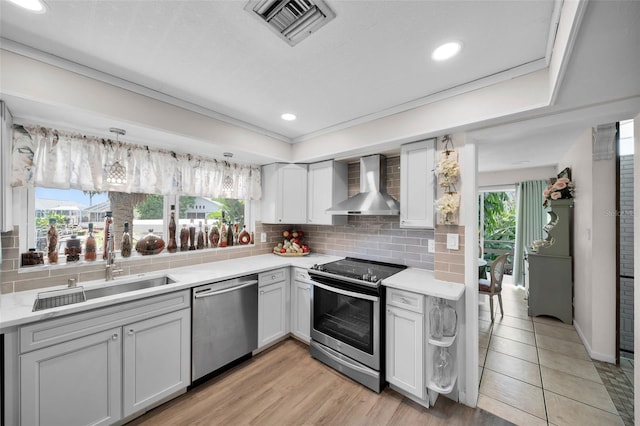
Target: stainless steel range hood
[372, 198]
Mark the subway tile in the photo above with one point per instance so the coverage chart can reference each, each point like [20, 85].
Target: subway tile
[6, 287]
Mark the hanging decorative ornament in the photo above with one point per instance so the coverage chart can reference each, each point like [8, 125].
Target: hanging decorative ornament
[117, 173]
[448, 171]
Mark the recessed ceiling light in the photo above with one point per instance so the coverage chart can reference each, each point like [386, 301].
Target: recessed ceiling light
[446, 51]
[288, 116]
[36, 6]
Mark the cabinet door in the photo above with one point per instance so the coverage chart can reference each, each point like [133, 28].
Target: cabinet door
[405, 353]
[156, 359]
[272, 313]
[292, 199]
[73, 383]
[417, 184]
[326, 186]
[301, 301]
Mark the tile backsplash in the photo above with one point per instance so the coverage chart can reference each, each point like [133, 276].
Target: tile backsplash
[449, 264]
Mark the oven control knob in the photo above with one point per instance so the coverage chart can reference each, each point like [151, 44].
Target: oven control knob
[374, 278]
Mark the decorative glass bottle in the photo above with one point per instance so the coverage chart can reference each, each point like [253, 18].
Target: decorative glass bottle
[125, 243]
[244, 237]
[184, 238]
[172, 245]
[449, 319]
[200, 244]
[230, 235]
[442, 368]
[206, 233]
[435, 321]
[90, 246]
[108, 221]
[52, 242]
[214, 236]
[192, 236]
[223, 236]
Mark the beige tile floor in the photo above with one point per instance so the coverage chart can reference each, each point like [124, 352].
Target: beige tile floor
[535, 371]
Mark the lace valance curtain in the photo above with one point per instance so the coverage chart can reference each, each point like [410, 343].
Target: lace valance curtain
[56, 159]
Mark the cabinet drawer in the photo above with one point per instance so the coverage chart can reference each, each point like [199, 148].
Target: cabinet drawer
[405, 300]
[301, 274]
[46, 333]
[270, 277]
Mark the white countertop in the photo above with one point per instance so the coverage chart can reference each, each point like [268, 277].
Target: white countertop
[424, 282]
[15, 308]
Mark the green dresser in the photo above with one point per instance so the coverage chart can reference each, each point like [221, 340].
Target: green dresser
[549, 271]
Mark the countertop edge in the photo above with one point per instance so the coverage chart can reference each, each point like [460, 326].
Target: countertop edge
[424, 282]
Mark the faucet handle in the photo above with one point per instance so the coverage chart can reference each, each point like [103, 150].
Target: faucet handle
[71, 282]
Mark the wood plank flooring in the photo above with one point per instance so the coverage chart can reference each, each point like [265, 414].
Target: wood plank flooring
[285, 386]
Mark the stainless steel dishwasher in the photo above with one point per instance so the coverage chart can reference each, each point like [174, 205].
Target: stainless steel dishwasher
[224, 323]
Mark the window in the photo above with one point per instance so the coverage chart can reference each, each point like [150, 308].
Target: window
[626, 138]
[75, 209]
[211, 211]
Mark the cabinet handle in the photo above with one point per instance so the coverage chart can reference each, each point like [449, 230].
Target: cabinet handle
[131, 332]
[273, 277]
[114, 336]
[405, 301]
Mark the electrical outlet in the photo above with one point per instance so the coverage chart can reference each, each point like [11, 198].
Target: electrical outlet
[263, 237]
[452, 241]
[431, 246]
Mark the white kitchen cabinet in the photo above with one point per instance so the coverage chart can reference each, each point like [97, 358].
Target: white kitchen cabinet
[273, 306]
[327, 185]
[77, 382]
[301, 305]
[284, 193]
[6, 140]
[405, 342]
[101, 366]
[154, 355]
[417, 184]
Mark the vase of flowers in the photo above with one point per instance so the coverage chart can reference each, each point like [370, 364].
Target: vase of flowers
[562, 188]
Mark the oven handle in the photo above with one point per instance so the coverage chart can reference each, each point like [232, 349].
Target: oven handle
[346, 292]
[345, 361]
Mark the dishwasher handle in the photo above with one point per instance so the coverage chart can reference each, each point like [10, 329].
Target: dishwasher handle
[226, 290]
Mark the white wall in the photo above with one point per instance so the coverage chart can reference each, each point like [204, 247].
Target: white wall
[636, 262]
[579, 159]
[511, 177]
[594, 248]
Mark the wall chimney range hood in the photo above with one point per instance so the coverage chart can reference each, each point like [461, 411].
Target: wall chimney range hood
[372, 198]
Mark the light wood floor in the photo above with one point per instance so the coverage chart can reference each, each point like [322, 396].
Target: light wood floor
[285, 386]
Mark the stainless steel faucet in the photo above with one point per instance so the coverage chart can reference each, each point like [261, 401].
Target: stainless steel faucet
[111, 269]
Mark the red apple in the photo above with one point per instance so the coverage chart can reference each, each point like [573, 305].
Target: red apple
[283, 250]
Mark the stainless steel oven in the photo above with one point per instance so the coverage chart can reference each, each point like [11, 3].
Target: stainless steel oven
[347, 330]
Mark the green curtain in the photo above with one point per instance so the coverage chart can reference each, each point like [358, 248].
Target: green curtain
[530, 218]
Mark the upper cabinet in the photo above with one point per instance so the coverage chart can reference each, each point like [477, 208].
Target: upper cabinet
[5, 168]
[326, 186]
[417, 184]
[284, 193]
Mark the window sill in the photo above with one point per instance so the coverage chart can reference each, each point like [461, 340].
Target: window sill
[165, 255]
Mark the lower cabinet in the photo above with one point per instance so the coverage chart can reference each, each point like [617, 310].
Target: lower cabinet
[154, 355]
[99, 378]
[419, 365]
[76, 382]
[301, 310]
[405, 343]
[272, 313]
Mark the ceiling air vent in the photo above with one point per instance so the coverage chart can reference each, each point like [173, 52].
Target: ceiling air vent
[292, 20]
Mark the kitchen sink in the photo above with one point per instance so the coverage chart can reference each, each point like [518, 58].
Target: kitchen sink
[110, 290]
[68, 296]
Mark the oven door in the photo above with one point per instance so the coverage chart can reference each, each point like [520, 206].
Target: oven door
[346, 320]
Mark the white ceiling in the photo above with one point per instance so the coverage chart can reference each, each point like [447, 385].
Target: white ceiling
[372, 60]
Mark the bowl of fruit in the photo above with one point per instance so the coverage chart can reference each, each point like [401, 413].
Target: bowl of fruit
[292, 244]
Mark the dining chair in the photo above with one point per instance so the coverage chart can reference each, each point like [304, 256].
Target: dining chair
[493, 286]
